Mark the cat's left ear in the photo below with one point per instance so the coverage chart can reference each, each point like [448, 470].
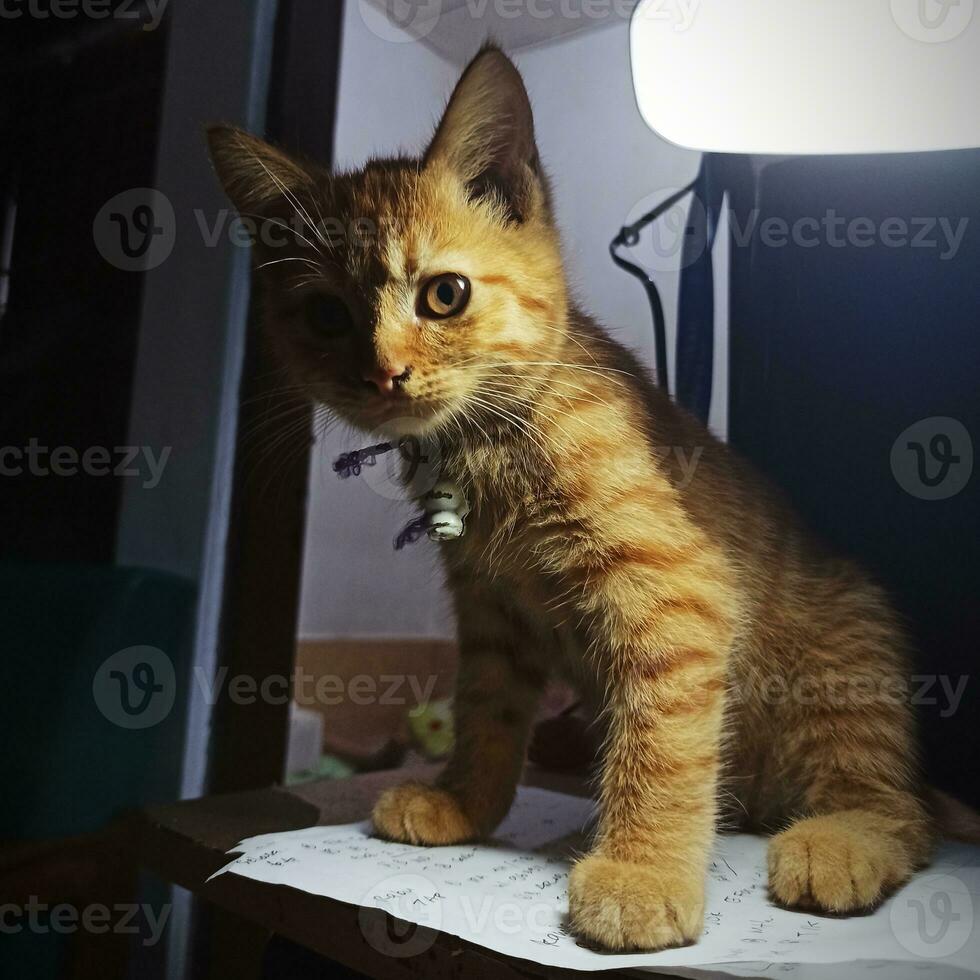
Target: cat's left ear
[487, 136]
[257, 176]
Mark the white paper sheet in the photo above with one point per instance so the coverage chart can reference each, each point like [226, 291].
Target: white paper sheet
[509, 894]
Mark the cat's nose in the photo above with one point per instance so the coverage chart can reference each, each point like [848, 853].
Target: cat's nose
[387, 379]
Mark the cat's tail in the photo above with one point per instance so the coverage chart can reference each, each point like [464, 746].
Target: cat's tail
[954, 819]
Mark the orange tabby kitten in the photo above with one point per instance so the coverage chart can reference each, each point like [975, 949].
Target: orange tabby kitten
[740, 669]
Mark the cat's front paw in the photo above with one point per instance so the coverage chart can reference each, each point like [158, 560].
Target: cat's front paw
[831, 864]
[626, 906]
[414, 813]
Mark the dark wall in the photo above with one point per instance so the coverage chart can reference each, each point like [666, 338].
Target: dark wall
[837, 349]
[79, 107]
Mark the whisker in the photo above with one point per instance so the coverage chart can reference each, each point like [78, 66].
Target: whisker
[599, 371]
[281, 224]
[297, 206]
[531, 431]
[290, 258]
[592, 397]
[558, 426]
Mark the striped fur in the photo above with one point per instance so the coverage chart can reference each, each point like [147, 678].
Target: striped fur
[612, 541]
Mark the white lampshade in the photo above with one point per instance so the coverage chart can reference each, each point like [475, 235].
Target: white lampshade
[809, 76]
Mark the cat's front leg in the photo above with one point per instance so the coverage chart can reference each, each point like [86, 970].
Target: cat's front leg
[498, 686]
[663, 615]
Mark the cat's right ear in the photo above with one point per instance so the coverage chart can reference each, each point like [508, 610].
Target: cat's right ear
[257, 177]
[486, 136]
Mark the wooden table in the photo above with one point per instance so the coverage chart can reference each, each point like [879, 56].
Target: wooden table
[185, 843]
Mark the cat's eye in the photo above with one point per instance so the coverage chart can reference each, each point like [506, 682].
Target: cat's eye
[444, 296]
[327, 316]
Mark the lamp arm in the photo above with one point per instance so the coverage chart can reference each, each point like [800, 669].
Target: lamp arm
[628, 236]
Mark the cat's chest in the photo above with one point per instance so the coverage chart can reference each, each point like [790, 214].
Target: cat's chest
[499, 554]
[500, 513]
[500, 550]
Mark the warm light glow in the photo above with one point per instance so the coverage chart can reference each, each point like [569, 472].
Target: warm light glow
[809, 76]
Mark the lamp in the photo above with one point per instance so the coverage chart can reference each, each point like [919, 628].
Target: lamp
[850, 358]
[809, 76]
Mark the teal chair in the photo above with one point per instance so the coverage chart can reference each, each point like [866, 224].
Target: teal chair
[95, 674]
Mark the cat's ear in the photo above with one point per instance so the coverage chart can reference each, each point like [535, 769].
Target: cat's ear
[487, 135]
[256, 175]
